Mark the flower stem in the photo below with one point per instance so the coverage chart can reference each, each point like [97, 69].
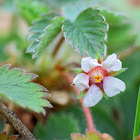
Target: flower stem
[86, 110]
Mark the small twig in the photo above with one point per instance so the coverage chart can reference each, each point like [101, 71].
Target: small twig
[86, 110]
[16, 123]
[58, 46]
[127, 52]
[8, 127]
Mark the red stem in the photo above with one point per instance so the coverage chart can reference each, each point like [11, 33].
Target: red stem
[86, 110]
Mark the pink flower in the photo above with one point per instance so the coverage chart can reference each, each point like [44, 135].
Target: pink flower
[97, 79]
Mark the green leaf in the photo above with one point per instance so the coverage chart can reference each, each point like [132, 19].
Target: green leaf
[15, 86]
[114, 73]
[88, 32]
[90, 135]
[80, 95]
[98, 56]
[78, 70]
[43, 37]
[58, 126]
[37, 29]
[137, 118]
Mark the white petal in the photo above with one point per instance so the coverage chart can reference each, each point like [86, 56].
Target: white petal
[88, 63]
[112, 63]
[81, 81]
[94, 95]
[113, 86]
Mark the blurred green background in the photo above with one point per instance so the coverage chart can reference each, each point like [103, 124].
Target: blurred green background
[114, 116]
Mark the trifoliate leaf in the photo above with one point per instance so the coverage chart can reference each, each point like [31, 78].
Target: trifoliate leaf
[88, 32]
[44, 33]
[17, 87]
[4, 137]
[91, 136]
[58, 126]
[114, 73]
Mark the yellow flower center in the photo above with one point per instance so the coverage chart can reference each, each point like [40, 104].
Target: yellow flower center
[98, 78]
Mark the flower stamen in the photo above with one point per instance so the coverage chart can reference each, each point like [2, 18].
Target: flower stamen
[98, 78]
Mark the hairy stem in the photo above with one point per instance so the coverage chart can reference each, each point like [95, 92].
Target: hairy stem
[58, 46]
[86, 110]
[16, 123]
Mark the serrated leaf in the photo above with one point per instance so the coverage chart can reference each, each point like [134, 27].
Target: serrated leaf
[17, 87]
[88, 32]
[33, 46]
[35, 36]
[37, 29]
[45, 30]
[51, 32]
[58, 126]
[91, 136]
